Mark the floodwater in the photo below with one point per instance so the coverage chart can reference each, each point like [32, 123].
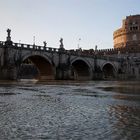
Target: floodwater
[65, 110]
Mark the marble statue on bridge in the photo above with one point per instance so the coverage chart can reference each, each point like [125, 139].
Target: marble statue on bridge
[8, 34]
[45, 43]
[61, 43]
[8, 39]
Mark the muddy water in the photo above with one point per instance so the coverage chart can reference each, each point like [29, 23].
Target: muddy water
[96, 110]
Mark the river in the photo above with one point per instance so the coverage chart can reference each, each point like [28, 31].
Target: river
[67, 110]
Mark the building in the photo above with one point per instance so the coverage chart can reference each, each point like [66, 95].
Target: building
[129, 34]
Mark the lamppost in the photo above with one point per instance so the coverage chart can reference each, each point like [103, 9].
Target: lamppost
[33, 40]
[79, 43]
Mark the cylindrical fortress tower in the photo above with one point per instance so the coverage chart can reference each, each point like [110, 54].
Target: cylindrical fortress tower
[129, 33]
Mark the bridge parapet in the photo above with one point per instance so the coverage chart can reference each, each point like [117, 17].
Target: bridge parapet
[105, 54]
[130, 49]
[2, 43]
[99, 54]
[31, 47]
[34, 47]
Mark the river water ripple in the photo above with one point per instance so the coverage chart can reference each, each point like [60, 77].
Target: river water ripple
[97, 110]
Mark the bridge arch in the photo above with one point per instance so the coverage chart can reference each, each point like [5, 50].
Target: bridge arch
[37, 66]
[81, 69]
[109, 70]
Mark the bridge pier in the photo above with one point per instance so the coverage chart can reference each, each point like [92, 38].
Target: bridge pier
[8, 73]
[63, 72]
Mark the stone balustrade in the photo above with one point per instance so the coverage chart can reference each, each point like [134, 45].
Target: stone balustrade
[101, 54]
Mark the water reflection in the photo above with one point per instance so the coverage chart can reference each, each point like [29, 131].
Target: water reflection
[125, 90]
[126, 121]
[69, 110]
[125, 114]
[133, 89]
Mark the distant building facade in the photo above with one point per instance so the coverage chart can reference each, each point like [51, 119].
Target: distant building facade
[129, 34]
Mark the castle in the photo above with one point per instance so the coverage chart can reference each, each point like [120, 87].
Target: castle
[129, 34]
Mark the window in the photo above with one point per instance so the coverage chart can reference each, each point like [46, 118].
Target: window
[134, 37]
[133, 28]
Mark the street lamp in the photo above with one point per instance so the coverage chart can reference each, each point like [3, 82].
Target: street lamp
[79, 43]
[33, 40]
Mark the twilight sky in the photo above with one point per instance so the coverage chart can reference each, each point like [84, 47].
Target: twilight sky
[91, 20]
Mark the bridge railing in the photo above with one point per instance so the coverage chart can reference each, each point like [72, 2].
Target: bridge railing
[78, 52]
[30, 47]
[2, 43]
[34, 47]
[93, 54]
[106, 54]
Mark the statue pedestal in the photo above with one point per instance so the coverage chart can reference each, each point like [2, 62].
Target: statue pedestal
[8, 43]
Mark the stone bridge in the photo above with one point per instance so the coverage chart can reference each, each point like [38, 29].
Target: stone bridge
[19, 61]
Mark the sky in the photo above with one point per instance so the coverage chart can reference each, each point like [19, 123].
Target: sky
[81, 23]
